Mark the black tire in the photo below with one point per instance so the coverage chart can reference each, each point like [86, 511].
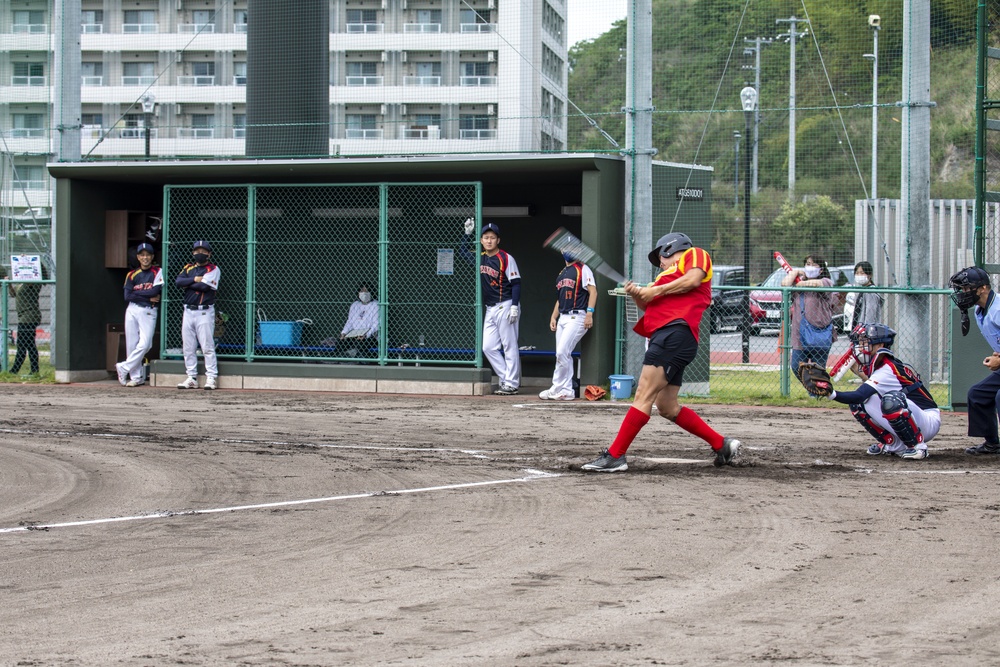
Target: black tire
[716, 322]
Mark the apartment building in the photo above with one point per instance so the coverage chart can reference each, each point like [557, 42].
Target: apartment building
[406, 77]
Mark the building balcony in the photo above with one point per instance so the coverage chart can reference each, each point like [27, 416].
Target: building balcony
[422, 133]
[138, 80]
[196, 80]
[29, 81]
[91, 80]
[364, 80]
[478, 27]
[196, 133]
[240, 27]
[136, 133]
[25, 132]
[357, 28]
[92, 28]
[140, 28]
[422, 28]
[421, 80]
[29, 28]
[240, 80]
[189, 28]
[477, 81]
[363, 134]
[478, 135]
[239, 132]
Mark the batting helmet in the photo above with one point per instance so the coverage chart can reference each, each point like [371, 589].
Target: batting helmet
[668, 245]
[972, 277]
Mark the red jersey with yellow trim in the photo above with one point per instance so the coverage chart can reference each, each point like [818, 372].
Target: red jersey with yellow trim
[689, 306]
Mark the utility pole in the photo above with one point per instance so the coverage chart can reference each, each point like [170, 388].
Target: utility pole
[790, 38]
[875, 22]
[754, 50]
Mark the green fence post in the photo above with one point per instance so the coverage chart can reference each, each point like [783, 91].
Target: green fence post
[383, 273]
[786, 342]
[249, 333]
[5, 365]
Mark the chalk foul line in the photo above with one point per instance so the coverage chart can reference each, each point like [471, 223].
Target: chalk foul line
[532, 475]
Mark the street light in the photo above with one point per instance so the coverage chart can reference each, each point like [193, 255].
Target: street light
[875, 23]
[736, 168]
[148, 106]
[748, 97]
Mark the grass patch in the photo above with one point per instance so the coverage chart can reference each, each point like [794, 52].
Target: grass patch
[46, 371]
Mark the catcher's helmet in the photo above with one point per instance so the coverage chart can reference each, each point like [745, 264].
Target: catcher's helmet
[668, 245]
[863, 336]
[972, 278]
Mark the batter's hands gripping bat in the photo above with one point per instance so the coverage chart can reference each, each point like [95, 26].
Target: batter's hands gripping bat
[785, 265]
[563, 240]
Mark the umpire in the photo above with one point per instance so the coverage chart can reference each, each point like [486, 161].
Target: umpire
[972, 288]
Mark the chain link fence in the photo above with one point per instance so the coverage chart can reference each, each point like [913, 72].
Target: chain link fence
[293, 259]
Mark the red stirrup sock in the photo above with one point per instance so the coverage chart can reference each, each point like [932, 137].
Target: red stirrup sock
[634, 421]
[689, 420]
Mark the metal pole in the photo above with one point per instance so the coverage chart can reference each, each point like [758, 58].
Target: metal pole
[147, 118]
[736, 168]
[874, 194]
[792, 35]
[756, 111]
[982, 35]
[745, 329]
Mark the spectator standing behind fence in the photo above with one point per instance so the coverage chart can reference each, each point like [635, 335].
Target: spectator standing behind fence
[501, 287]
[812, 313]
[972, 288]
[142, 294]
[360, 332]
[29, 316]
[200, 282]
[572, 316]
[862, 307]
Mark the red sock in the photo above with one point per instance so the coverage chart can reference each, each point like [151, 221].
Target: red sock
[688, 420]
[634, 420]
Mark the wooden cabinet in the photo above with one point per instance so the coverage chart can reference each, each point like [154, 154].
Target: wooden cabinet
[122, 230]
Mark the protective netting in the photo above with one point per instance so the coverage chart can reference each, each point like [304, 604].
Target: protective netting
[295, 260]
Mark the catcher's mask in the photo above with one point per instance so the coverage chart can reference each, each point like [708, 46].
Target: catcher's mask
[668, 245]
[863, 336]
[965, 283]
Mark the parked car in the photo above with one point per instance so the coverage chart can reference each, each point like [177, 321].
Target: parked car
[769, 302]
[727, 305]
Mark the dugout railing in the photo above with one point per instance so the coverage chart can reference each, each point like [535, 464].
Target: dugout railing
[920, 316]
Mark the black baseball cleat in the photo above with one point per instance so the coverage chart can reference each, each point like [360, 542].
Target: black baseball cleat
[730, 450]
[985, 449]
[606, 463]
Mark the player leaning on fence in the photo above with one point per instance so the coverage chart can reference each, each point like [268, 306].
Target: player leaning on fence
[672, 307]
[200, 282]
[142, 294]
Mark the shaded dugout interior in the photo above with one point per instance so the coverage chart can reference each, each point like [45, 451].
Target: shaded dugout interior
[531, 195]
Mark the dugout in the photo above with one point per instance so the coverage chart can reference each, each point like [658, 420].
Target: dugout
[284, 266]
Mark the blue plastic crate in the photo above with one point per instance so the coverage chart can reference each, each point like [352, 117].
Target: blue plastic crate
[280, 334]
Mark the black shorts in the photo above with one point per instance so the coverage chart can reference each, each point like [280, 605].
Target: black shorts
[672, 348]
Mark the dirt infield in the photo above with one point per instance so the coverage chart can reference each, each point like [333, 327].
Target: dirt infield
[159, 527]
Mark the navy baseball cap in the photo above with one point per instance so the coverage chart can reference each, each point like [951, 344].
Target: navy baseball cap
[145, 246]
[203, 244]
[490, 227]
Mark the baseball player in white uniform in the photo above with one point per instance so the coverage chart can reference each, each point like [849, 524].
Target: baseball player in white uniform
[572, 316]
[200, 282]
[501, 286]
[142, 294]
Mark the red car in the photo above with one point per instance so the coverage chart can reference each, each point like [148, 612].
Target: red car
[769, 302]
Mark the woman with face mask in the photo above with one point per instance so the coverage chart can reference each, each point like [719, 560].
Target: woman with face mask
[863, 307]
[812, 313]
[360, 333]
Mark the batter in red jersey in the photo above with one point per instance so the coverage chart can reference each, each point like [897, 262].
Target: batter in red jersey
[672, 307]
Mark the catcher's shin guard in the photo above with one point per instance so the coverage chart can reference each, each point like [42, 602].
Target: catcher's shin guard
[882, 435]
[897, 413]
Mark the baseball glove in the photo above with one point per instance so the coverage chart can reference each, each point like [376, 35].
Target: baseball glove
[815, 379]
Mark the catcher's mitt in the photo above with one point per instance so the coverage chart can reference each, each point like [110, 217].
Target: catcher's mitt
[815, 378]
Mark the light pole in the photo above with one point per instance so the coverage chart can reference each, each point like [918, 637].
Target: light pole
[736, 168]
[875, 22]
[148, 106]
[748, 97]
[758, 43]
[790, 37]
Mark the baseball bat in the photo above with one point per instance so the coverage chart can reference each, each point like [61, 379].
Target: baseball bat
[842, 365]
[562, 240]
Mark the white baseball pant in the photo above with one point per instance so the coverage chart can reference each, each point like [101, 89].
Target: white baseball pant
[569, 333]
[198, 330]
[929, 421]
[500, 343]
[140, 322]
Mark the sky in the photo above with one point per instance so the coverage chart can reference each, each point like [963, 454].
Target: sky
[592, 18]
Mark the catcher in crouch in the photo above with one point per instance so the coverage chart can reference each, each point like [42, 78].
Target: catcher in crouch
[893, 404]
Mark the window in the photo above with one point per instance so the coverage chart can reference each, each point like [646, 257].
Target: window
[202, 21]
[363, 74]
[28, 74]
[553, 23]
[239, 125]
[138, 74]
[202, 127]
[239, 74]
[240, 20]
[28, 125]
[426, 126]
[202, 74]
[29, 178]
[92, 125]
[134, 126]
[29, 21]
[475, 127]
[140, 20]
[362, 126]
[475, 20]
[428, 20]
[93, 20]
[363, 20]
[92, 74]
[476, 74]
[552, 65]
[428, 74]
